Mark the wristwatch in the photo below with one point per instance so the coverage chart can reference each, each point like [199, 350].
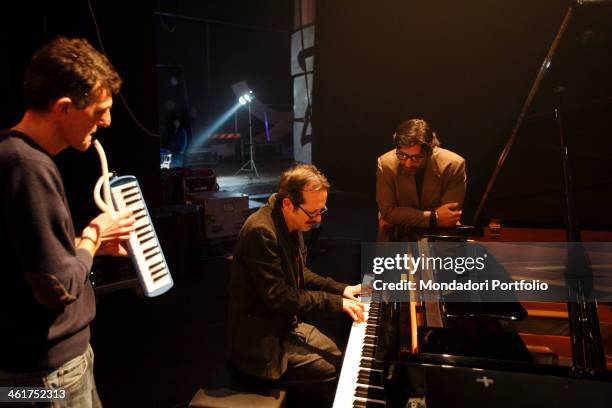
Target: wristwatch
[433, 219]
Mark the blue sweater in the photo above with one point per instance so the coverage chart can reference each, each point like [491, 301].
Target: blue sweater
[46, 299]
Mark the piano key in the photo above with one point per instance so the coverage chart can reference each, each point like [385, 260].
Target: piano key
[367, 404]
[150, 255]
[371, 363]
[157, 269]
[141, 227]
[157, 278]
[156, 258]
[360, 381]
[147, 239]
[370, 392]
[134, 199]
[146, 244]
[367, 347]
[143, 233]
[130, 195]
[371, 353]
[370, 377]
[127, 189]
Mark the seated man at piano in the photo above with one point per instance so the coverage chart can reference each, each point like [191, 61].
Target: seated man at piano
[418, 183]
[272, 289]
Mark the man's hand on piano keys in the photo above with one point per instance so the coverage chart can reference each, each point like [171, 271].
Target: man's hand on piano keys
[351, 291]
[354, 309]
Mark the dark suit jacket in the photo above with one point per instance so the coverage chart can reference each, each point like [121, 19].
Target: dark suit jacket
[396, 192]
[264, 293]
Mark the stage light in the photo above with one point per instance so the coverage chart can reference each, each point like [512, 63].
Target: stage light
[246, 98]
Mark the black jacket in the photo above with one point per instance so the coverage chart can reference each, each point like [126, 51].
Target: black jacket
[264, 293]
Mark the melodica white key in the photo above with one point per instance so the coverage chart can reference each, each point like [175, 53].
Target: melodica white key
[146, 253]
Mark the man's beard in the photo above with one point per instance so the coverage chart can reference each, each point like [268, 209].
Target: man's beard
[410, 171]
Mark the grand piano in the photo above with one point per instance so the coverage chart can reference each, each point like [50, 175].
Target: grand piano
[552, 183]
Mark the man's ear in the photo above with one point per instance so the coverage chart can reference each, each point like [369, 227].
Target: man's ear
[61, 105]
[287, 204]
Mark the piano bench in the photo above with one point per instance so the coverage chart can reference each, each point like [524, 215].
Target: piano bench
[229, 398]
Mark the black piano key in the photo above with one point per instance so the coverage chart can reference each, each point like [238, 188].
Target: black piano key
[156, 264]
[140, 216]
[373, 364]
[152, 254]
[130, 195]
[149, 249]
[155, 279]
[157, 270]
[143, 233]
[142, 227]
[147, 239]
[368, 347]
[368, 353]
[128, 188]
[370, 377]
[367, 404]
[132, 201]
[369, 392]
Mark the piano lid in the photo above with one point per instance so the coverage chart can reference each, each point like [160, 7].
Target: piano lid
[526, 187]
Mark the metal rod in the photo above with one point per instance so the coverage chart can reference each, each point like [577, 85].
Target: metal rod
[536, 85]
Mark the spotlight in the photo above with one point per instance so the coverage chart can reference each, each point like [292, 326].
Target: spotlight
[246, 98]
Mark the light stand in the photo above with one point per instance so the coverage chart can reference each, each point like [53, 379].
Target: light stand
[249, 166]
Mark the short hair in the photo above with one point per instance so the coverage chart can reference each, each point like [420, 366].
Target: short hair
[300, 178]
[416, 132]
[68, 68]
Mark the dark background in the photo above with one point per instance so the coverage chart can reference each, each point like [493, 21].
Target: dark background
[467, 68]
[216, 44]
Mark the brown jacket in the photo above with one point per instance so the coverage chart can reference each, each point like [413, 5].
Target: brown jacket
[396, 192]
[264, 294]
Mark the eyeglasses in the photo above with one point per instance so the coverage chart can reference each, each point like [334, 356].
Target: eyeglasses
[412, 157]
[314, 214]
